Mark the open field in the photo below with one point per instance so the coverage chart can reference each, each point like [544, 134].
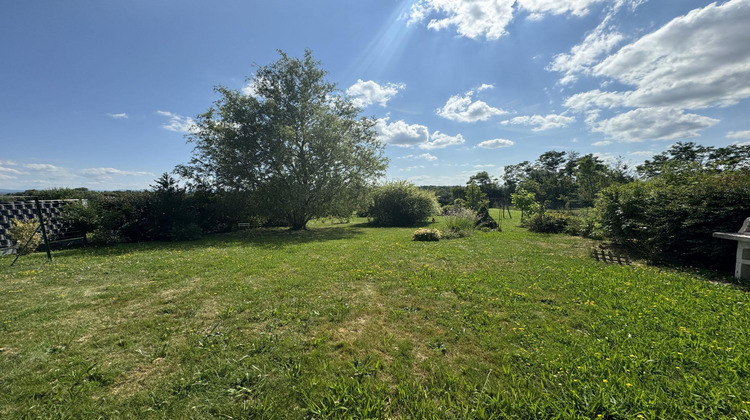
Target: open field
[350, 321]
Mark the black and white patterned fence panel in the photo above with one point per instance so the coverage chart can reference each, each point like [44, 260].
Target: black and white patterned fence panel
[57, 229]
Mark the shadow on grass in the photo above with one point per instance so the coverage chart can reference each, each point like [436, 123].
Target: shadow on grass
[372, 225]
[262, 237]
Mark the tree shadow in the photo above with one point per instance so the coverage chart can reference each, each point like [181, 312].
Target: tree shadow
[261, 237]
[372, 225]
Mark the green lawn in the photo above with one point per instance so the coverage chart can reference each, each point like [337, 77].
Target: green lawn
[348, 321]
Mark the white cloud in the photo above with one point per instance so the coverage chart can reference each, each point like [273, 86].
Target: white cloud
[738, 134]
[113, 171]
[462, 109]
[541, 123]
[695, 61]
[480, 166]
[411, 168]
[439, 140]
[367, 93]
[472, 19]
[595, 99]
[539, 8]
[642, 153]
[44, 167]
[121, 116]
[489, 18]
[582, 56]
[425, 156]
[601, 143]
[485, 86]
[495, 144]
[10, 170]
[653, 124]
[400, 133]
[177, 123]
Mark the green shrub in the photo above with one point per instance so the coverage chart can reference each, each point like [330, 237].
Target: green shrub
[672, 218]
[548, 222]
[426, 235]
[81, 216]
[105, 237]
[401, 203]
[188, 232]
[582, 226]
[23, 232]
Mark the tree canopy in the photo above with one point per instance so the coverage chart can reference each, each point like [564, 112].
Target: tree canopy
[294, 144]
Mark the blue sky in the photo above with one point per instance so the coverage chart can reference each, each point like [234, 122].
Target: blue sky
[100, 94]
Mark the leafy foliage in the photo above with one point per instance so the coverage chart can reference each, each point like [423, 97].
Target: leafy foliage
[684, 157]
[671, 218]
[526, 202]
[426, 235]
[23, 232]
[295, 145]
[400, 203]
[475, 198]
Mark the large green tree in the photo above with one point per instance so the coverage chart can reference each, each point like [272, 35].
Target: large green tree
[296, 145]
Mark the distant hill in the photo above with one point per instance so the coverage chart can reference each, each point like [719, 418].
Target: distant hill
[9, 192]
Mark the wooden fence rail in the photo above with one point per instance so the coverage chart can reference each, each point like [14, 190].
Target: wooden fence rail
[609, 257]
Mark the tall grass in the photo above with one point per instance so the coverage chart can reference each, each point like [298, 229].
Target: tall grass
[459, 222]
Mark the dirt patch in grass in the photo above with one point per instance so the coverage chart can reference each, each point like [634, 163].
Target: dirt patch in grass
[8, 352]
[135, 380]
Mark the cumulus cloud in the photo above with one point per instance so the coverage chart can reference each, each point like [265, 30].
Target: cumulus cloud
[495, 144]
[121, 116]
[595, 45]
[485, 86]
[594, 99]
[177, 123]
[400, 133]
[425, 156]
[541, 123]
[601, 143]
[539, 8]
[439, 140]
[738, 134]
[464, 109]
[472, 19]
[695, 61]
[112, 171]
[489, 18]
[653, 124]
[364, 94]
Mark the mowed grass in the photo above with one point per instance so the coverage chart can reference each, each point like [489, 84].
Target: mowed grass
[348, 321]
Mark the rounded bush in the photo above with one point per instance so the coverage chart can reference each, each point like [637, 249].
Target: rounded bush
[426, 235]
[400, 203]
